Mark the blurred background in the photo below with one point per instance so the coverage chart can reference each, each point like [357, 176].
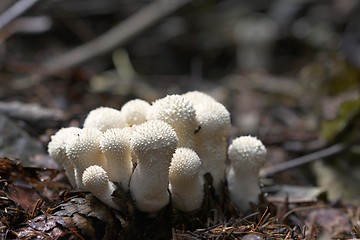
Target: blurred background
[287, 70]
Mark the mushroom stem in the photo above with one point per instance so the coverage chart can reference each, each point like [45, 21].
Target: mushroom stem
[243, 188]
[212, 153]
[57, 150]
[186, 183]
[246, 154]
[153, 143]
[84, 151]
[211, 138]
[95, 180]
[115, 145]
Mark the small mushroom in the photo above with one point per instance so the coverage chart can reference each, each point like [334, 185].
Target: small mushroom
[211, 137]
[186, 183]
[104, 118]
[247, 154]
[84, 151]
[180, 114]
[134, 111]
[153, 144]
[115, 145]
[57, 150]
[96, 181]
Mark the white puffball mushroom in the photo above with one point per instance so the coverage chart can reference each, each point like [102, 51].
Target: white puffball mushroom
[135, 111]
[247, 154]
[57, 150]
[180, 114]
[211, 138]
[115, 145]
[96, 181]
[153, 144]
[186, 183]
[104, 118]
[84, 151]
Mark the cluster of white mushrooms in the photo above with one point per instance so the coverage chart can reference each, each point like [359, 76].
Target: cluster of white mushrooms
[159, 153]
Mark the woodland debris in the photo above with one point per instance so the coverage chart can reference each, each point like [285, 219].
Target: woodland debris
[33, 113]
[15, 142]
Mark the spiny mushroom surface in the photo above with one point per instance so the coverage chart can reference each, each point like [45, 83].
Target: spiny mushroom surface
[172, 143]
[115, 145]
[57, 150]
[247, 154]
[96, 181]
[153, 143]
[84, 151]
[211, 138]
[135, 111]
[186, 183]
[180, 114]
[104, 118]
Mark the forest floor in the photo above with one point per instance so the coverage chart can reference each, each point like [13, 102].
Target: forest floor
[287, 72]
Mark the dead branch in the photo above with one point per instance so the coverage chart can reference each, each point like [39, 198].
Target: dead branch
[335, 149]
[31, 112]
[113, 38]
[16, 10]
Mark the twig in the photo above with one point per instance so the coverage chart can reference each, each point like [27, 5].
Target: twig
[31, 113]
[335, 149]
[113, 38]
[16, 10]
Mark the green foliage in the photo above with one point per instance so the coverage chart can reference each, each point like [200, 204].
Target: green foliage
[345, 125]
[341, 75]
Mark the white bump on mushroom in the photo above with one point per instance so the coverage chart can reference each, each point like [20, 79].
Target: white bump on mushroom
[104, 118]
[115, 145]
[186, 183]
[180, 114]
[211, 138]
[135, 111]
[57, 150]
[247, 154]
[153, 144]
[96, 181]
[84, 151]
[198, 97]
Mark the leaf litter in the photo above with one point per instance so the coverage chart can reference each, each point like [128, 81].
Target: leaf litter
[39, 203]
[297, 93]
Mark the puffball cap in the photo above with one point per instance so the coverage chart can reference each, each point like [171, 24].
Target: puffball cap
[104, 118]
[211, 114]
[153, 135]
[198, 97]
[134, 111]
[56, 147]
[84, 147]
[95, 177]
[174, 110]
[214, 117]
[116, 141]
[247, 152]
[185, 164]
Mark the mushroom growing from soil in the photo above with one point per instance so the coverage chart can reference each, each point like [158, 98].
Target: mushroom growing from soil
[211, 138]
[84, 151]
[153, 144]
[104, 118]
[180, 114]
[96, 181]
[247, 154]
[186, 183]
[135, 111]
[115, 145]
[57, 150]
